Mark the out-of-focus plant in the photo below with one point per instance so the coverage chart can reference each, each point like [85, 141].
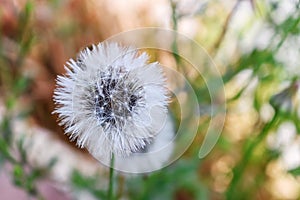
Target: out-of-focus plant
[244, 161]
[13, 85]
[270, 73]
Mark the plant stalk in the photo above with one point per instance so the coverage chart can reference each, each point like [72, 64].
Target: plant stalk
[111, 178]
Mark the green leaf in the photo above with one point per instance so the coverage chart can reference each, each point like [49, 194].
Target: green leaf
[295, 171]
[18, 171]
[21, 85]
[22, 151]
[4, 150]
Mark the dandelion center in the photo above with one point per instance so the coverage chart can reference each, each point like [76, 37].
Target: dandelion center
[116, 99]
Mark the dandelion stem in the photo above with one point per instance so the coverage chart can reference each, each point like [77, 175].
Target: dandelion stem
[111, 178]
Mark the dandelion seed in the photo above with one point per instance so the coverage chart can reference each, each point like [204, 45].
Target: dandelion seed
[108, 98]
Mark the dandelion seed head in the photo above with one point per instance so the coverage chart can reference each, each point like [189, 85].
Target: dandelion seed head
[108, 99]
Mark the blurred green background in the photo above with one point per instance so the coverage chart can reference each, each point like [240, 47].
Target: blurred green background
[256, 47]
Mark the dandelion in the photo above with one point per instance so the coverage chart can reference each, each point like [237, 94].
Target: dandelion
[111, 101]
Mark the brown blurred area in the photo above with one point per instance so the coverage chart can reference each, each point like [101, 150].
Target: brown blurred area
[37, 38]
[56, 31]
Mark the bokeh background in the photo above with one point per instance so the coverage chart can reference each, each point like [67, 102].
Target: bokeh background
[255, 45]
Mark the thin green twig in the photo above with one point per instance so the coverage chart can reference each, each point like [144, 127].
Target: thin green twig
[224, 30]
[240, 168]
[175, 29]
[111, 179]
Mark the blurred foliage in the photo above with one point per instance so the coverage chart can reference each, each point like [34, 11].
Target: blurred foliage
[175, 182]
[90, 184]
[236, 169]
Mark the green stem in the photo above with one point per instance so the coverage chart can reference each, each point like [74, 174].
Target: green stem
[238, 171]
[111, 179]
[175, 29]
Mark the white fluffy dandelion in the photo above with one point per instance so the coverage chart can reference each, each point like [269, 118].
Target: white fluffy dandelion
[112, 101]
